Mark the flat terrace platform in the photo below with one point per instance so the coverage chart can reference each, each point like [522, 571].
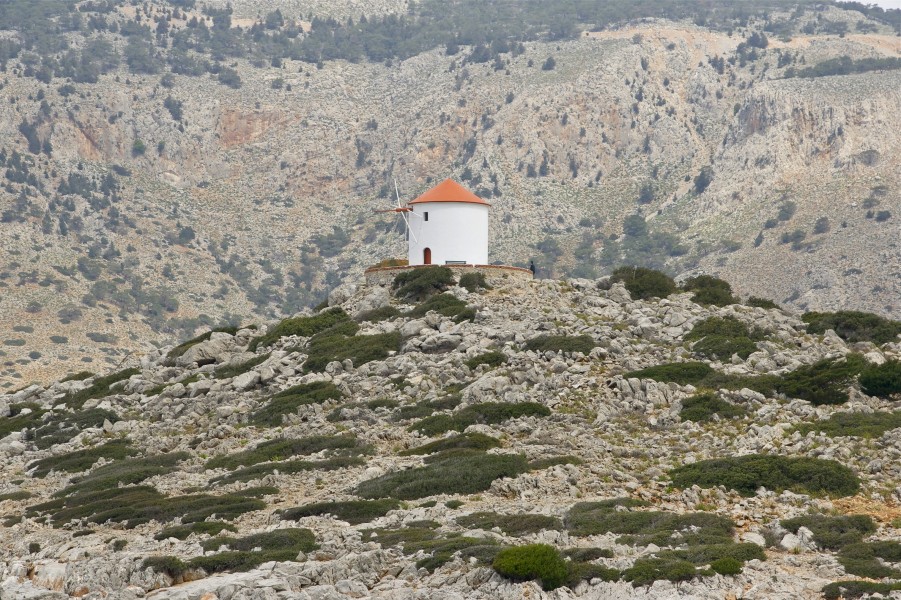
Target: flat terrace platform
[495, 275]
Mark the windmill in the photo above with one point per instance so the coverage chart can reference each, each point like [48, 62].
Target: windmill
[402, 211]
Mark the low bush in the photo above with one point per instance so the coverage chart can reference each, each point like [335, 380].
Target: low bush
[471, 441]
[422, 282]
[593, 518]
[587, 554]
[352, 511]
[577, 572]
[534, 561]
[868, 559]
[486, 413]
[721, 337]
[360, 349]
[227, 371]
[684, 373]
[81, 460]
[701, 408]
[300, 326]
[514, 525]
[80, 376]
[182, 532]
[709, 290]
[854, 326]
[446, 305]
[438, 548]
[851, 590]
[64, 426]
[99, 388]
[745, 474]
[881, 380]
[824, 382]
[644, 284]
[17, 495]
[140, 504]
[552, 461]
[646, 571]
[425, 408]
[125, 471]
[455, 474]
[726, 566]
[833, 533]
[185, 346]
[280, 449]
[377, 315]
[289, 467]
[20, 419]
[289, 400]
[719, 347]
[865, 425]
[474, 282]
[247, 553]
[492, 359]
[761, 303]
[561, 343]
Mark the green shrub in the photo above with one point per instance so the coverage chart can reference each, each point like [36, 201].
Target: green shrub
[123, 471]
[184, 346]
[474, 282]
[552, 461]
[701, 407]
[182, 532]
[472, 441]
[289, 400]
[99, 388]
[866, 425]
[515, 525]
[833, 533]
[593, 518]
[360, 349]
[17, 495]
[289, 467]
[863, 559]
[561, 343]
[279, 449]
[587, 554]
[534, 561]
[718, 347]
[300, 326]
[881, 380]
[446, 305]
[824, 382]
[18, 421]
[709, 290]
[720, 338]
[745, 474]
[578, 572]
[422, 282]
[646, 571]
[81, 460]
[80, 376]
[425, 408]
[492, 359]
[295, 539]
[762, 303]
[62, 427]
[377, 315]
[170, 565]
[352, 511]
[455, 474]
[227, 371]
[644, 284]
[140, 504]
[854, 326]
[851, 590]
[486, 413]
[684, 373]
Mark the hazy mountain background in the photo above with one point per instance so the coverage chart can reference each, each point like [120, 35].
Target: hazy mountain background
[172, 165]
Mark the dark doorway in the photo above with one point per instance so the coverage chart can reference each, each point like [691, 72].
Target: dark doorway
[427, 256]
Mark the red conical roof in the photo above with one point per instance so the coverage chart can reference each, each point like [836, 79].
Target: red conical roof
[449, 191]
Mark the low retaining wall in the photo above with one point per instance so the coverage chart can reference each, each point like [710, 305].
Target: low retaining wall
[495, 275]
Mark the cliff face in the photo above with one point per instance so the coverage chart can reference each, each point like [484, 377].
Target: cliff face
[257, 199]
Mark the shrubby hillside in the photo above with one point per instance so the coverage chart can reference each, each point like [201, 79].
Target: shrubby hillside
[464, 436]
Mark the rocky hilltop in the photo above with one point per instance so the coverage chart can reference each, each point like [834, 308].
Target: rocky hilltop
[441, 436]
[172, 166]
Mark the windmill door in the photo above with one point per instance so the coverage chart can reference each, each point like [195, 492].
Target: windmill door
[427, 256]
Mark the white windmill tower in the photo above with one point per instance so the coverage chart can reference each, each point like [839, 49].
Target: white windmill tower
[447, 225]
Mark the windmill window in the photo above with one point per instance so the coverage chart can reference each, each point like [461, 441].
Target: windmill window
[426, 215]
